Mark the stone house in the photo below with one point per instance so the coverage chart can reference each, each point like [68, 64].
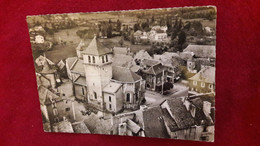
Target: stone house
[203, 81]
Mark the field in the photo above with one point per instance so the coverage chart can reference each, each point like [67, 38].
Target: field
[205, 23]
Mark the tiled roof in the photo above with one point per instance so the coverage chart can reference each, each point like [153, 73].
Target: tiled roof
[153, 123]
[169, 121]
[204, 51]
[206, 74]
[124, 74]
[80, 127]
[64, 126]
[181, 116]
[112, 87]
[95, 48]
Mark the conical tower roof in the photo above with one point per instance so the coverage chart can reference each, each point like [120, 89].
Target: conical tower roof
[96, 48]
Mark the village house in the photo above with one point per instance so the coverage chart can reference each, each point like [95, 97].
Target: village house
[140, 55]
[146, 122]
[172, 62]
[185, 120]
[154, 74]
[203, 81]
[47, 72]
[55, 107]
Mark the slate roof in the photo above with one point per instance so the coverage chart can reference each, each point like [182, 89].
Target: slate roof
[155, 70]
[70, 61]
[95, 48]
[133, 126]
[48, 68]
[78, 66]
[142, 54]
[198, 102]
[206, 74]
[112, 87]
[153, 123]
[181, 116]
[81, 81]
[124, 74]
[149, 62]
[169, 121]
[122, 60]
[203, 51]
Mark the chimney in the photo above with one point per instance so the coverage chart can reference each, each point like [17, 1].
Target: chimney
[206, 108]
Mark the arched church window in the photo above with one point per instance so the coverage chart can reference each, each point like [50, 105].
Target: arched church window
[103, 60]
[94, 61]
[89, 59]
[95, 95]
[106, 58]
[128, 97]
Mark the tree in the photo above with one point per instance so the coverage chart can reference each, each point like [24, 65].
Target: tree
[109, 31]
[136, 27]
[118, 25]
[121, 41]
[132, 38]
[181, 40]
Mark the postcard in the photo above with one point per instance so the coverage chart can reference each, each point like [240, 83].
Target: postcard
[147, 73]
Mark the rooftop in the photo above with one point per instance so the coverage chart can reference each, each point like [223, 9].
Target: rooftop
[181, 116]
[95, 48]
[112, 87]
[124, 75]
[203, 51]
[206, 74]
[153, 123]
[80, 81]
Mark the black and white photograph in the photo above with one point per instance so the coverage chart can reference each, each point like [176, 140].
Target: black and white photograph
[146, 73]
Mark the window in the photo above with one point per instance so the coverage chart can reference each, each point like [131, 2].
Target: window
[210, 86]
[110, 106]
[83, 92]
[94, 61]
[128, 97]
[109, 98]
[202, 84]
[55, 112]
[106, 58]
[194, 82]
[103, 60]
[89, 59]
[67, 109]
[95, 95]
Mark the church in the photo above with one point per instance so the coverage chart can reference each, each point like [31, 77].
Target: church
[101, 86]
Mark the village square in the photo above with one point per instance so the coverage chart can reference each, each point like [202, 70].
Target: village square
[147, 73]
